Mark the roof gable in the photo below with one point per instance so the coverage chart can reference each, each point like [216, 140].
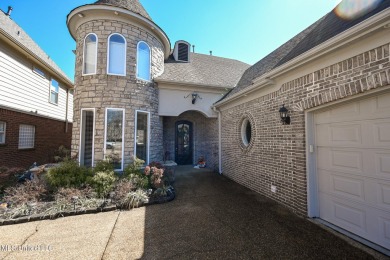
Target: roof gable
[322, 30]
[18, 36]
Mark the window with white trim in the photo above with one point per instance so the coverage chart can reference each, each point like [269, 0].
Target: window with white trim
[116, 55]
[26, 136]
[54, 88]
[90, 53]
[2, 132]
[143, 61]
[114, 136]
[142, 130]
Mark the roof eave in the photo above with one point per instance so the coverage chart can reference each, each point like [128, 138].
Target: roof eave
[13, 42]
[378, 21]
[192, 84]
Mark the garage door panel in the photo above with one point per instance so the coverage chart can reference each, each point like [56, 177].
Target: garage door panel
[337, 184]
[382, 103]
[343, 160]
[343, 213]
[339, 135]
[382, 164]
[353, 167]
[384, 195]
[381, 133]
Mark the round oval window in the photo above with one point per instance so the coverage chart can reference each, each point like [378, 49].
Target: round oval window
[246, 132]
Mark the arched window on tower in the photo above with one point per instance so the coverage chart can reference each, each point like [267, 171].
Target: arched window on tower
[90, 53]
[143, 61]
[116, 55]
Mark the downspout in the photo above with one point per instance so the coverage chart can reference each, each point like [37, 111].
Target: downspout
[66, 110]
[219, 140]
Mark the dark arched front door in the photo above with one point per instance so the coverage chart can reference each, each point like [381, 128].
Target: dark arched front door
[184, 143]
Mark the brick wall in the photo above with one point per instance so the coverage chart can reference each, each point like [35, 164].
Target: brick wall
[102, 91]
[49, 135]
[277, 152]
[205, 137]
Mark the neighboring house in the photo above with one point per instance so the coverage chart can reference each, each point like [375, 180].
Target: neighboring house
[134, 96]
[36, 103]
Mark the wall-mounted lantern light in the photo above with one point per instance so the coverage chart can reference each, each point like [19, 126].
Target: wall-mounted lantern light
[194, 97]
[285, 118]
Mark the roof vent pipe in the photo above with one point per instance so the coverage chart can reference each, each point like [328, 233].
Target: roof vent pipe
[9, 11]
[193, 48]
[211, 53]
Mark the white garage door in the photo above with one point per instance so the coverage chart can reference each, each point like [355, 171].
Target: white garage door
[353, 167]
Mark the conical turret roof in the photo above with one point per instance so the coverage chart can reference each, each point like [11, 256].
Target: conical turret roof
[131, 5]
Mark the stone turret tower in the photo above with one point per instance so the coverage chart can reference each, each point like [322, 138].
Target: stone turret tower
[119, 51]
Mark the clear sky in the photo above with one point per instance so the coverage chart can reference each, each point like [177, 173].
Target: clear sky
[246, 30]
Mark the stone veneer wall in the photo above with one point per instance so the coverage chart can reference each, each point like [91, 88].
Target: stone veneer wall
[102, 91]
[277, 153]
[205, 135]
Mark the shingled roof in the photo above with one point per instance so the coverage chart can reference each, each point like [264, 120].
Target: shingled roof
[324, 29]
[17, 35]
[131, 5]
[204, 70]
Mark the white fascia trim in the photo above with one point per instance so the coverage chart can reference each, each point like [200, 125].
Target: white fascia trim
[189, 85]
[151, 25]
[380, 20]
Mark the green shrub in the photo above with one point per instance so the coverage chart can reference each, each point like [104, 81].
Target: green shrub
[134, 168]
[134, 174]
[134, 199]
[103, 182]
[68, 174]
[104, 166]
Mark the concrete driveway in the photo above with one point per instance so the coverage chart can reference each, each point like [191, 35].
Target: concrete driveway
[211, 218]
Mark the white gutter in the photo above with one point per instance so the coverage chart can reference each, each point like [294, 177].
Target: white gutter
[380, 20]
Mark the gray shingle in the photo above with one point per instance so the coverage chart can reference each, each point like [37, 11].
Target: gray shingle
[204, 70]
[16, 34]
[324, 29]
[131, 5]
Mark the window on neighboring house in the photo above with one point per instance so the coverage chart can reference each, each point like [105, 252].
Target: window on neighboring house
[143, 61]
[114, 136]
[39, 72]
[54, 88]
[90, 53]
[142, 130]
[2, 132]
[26, 136]
[116, 55]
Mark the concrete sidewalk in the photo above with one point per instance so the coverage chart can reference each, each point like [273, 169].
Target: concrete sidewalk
[211, 218]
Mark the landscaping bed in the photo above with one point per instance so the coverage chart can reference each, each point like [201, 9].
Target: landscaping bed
[69, 189]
